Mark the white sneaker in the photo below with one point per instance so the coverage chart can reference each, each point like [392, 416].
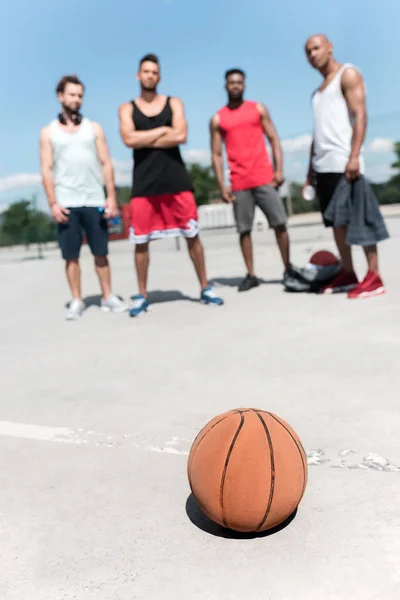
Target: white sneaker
[75, 309]
[113, 304]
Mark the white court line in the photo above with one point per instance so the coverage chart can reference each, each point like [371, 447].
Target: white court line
[64, 435]
[46, 433]
[42, 433]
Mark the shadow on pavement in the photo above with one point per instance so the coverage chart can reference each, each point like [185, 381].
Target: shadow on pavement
[90, 301]
[160, 296]
[201, 521]
[235, 281]
[30, 258]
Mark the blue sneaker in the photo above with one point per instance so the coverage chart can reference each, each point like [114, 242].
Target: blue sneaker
[208, 296]
[140, 306]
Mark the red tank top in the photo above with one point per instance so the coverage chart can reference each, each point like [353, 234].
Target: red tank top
[248, 158]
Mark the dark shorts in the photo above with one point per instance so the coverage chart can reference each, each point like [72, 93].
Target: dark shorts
[85, 221]
[267, 199]
[326, 186]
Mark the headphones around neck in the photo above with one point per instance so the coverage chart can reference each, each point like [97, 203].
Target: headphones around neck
[76, 118]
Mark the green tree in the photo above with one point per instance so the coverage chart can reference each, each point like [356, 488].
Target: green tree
[396, 150]
[22, 225]
[389, 192]
[15, 221]
[204, 182]
[41, 229]
[124, 195]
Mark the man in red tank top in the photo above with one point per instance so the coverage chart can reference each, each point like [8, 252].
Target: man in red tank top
[242, 126]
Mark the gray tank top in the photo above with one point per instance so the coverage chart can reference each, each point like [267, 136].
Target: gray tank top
[78, 178]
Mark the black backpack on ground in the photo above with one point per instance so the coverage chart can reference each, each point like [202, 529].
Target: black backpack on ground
[311, 278]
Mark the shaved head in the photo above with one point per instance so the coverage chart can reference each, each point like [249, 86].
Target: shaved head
[318, 37]
[319, 51]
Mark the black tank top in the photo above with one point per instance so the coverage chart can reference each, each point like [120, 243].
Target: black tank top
[157, 170]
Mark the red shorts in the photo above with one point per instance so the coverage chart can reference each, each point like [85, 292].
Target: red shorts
[157, 217]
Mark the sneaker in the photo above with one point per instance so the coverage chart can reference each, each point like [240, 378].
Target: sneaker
[113, 304]
[75, 309]
[343, 282]
[249, 282]
[372, 285]
[208, 296]
[291, 280]
[140, 306]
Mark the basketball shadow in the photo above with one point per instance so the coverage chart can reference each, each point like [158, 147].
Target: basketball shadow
[201, 521]
[235, 281]
[160, 296]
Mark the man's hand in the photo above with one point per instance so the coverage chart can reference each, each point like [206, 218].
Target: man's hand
[227, 196]
[111, 208]
[353, 169]
[278, 179]
[59, 213]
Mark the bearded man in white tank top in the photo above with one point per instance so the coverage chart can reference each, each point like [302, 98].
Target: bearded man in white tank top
[75, 163]
[340, 121]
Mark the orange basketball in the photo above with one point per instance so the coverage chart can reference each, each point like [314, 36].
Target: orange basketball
[247, 470]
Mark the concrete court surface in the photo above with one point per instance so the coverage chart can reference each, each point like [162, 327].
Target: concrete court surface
[97, 418]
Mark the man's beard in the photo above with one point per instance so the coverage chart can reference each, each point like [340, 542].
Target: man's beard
[236, 97]
[149, 88]
[71, 113]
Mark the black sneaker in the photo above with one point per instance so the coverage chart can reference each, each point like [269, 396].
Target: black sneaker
[249, 282]
[293, 281]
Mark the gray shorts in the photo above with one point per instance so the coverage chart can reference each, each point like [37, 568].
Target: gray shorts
[267, 199]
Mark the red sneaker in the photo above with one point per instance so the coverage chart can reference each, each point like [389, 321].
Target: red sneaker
[372, 285]
[343, 282]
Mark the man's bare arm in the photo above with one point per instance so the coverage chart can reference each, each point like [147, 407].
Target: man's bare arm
[354, 93]
[310, 172]
[217, 158]
[273, 138]
[133, 138]
[105, 161]
[177, 134]
[216, 152]
[46, 167]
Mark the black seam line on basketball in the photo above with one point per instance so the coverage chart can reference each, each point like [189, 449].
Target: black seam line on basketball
[298, 448]
[221, 493]
[208, 431]
[271, 451]
[197, 447]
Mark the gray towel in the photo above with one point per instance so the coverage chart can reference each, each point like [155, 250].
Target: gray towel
[354, 205]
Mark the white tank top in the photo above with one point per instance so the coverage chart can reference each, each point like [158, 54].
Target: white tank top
[78, 178]
[333, 128]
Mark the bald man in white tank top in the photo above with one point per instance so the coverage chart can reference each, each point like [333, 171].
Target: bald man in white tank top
[75, 164]
[340, 120]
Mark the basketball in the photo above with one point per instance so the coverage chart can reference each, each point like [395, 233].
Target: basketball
[323, 258]
[247, 469]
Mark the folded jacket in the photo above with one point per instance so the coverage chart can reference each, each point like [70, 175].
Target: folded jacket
[354, 205]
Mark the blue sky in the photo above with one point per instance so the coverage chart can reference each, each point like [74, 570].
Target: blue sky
[196, 41]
